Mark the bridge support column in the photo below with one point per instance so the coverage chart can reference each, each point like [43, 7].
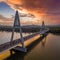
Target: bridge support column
[43, 26]
[18, 25]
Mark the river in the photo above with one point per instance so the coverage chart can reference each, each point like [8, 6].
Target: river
[46, 49]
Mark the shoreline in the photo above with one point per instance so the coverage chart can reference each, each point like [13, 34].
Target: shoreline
[29, 29]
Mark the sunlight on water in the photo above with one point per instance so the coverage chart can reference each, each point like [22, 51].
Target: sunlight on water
[26, 43]
[46, 49]
[4, 55]
[29, 41]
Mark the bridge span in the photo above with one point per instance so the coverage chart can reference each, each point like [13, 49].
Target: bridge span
[13, 43]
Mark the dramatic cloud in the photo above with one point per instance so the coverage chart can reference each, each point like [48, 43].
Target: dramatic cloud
[26, 15]
[10, 21]
[39, 8]
[36, 7]
[5, 20]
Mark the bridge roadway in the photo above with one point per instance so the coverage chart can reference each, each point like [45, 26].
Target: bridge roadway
[9, 45]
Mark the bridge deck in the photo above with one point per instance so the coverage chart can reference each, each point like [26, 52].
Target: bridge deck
[14, 43]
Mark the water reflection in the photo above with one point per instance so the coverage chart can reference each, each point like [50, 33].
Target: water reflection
[6, 36]
[44, 41]
[21, 55]
[57, 34]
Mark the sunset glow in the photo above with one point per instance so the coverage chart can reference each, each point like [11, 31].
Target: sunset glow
[41, 9]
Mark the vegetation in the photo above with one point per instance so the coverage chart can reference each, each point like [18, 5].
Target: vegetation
[53, 29]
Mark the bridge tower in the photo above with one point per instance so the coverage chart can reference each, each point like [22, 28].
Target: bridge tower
[42, 26]
[15, 25]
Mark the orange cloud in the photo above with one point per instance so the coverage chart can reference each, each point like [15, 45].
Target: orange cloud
[14, 1]
[39, 8]
[35, 7]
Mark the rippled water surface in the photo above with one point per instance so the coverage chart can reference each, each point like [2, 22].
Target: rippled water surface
[46, 49]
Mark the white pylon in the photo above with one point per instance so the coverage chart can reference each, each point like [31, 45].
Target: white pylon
[17, 24]
[43, 26]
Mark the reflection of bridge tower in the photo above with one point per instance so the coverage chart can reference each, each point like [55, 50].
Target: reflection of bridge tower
[17, 24]
[43, 26]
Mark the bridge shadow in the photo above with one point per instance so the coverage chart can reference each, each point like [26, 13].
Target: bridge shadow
[20, 55]
[44, 41]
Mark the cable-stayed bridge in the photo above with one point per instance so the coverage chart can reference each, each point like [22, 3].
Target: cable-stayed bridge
[13, 43]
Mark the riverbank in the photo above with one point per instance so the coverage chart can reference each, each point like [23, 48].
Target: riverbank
[30, 28]
[54, 29]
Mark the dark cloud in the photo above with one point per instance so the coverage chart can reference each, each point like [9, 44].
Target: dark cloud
[26, 15]
[39, 8]
[36, 7]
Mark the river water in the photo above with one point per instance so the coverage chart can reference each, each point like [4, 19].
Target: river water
[47, 48]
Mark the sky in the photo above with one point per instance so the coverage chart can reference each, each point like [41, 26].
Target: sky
[31, 11]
